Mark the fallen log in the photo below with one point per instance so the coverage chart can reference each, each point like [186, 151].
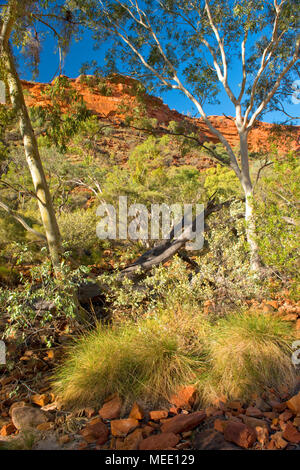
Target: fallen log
[166, 250]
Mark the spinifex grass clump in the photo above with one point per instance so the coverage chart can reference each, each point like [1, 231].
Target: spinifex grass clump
[249, 352]
[150, 359]
[146, 360]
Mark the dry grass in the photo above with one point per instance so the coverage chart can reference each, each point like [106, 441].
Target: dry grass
[249, 353]
[24, 441]
[148, 360]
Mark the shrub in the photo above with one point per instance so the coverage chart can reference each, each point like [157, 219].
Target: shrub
[224, 181]
[224, 278]
[10, 230]
[7, 276]
[277, 210]
[147, 360]
[249, 352]
[78, 230]
[19, 306]
[104, 89]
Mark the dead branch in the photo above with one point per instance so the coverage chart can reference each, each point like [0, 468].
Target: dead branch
[291, 221]
[167, 249]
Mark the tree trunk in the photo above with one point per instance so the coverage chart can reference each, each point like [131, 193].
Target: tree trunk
[33, 158]
[255, 261]
[246, 183]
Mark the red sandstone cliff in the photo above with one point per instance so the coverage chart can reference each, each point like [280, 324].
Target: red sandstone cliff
[121, 92]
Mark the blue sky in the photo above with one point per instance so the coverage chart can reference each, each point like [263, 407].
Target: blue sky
[83, 51]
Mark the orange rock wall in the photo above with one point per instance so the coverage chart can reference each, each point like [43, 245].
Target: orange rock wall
[107, 107]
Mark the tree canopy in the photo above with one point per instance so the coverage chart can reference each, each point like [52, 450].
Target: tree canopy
[198, 46]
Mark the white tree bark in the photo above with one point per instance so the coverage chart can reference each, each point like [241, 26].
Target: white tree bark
[247, 186]
[33, 160]
[251, 233]
[29, 140]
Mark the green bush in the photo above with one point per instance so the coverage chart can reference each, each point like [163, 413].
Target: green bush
[18, 305]
[277, 211]
[104, 89]
[222, 180]
[78, 230]
[224, 277]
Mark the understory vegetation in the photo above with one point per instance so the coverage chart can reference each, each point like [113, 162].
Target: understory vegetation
[233, 357]
[195, 319]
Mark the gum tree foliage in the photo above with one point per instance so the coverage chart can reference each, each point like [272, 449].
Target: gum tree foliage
[25, 24]
[191, 45]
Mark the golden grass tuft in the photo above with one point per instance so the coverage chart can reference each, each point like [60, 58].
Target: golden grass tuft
[148, 360]
[249, 352]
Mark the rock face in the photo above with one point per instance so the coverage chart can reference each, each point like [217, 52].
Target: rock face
[95, 431]
[260, 137]
[240, 434]
[27, 417]
[122, 92]
[160, 441]
[111, 409]
[182, 423]
[122, 427]
[212, 440]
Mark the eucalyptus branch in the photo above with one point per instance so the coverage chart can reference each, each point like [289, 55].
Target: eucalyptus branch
[19, 189]
[123, 35]
[270, 95]
[38, 18]
[265, 59]
[181, 134]
[20, 219]
[279, 107]
[218, 38]
[243, 50]
[223, 77]
[117, 29]
[265, 165]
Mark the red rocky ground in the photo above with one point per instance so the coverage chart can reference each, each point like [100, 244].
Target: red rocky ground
[266, 423]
